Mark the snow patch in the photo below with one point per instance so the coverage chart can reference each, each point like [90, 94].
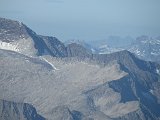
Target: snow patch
[104, 47]
[8, 46]
[138, 51]
[151, 91]
[153, 53]
[157, 71]
[20, 24]
[93, 50]
[143, 41]
[50, 64]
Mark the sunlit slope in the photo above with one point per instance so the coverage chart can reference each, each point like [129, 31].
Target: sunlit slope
[70, 87]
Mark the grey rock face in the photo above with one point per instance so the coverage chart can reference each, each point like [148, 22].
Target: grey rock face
[18, 111]
[56, 48]
[12, 30]
[76, 84]
[136, 86]
[27, 41]
[141, 79]
[77, 50]
[128, 97]
[61, 113]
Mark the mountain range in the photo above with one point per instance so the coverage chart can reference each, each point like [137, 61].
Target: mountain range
[42, 78]
[144, 47]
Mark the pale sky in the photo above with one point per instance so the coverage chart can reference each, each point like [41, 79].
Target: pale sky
[86, 19]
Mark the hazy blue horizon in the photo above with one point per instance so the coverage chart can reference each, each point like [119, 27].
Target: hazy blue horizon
[86, 19]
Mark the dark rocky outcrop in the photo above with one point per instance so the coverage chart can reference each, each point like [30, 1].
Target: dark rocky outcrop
[18, 111]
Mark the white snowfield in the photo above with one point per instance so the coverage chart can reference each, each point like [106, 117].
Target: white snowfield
[24, 46]
[157, 70]
[50, 63]
[105, 49]
[8, 46]
[29, 80]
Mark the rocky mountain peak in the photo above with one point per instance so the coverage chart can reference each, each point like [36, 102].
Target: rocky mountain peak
[18, 37]
[77, 50]
[12, 30]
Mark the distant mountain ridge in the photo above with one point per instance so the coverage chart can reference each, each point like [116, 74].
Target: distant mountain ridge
[145, 47]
